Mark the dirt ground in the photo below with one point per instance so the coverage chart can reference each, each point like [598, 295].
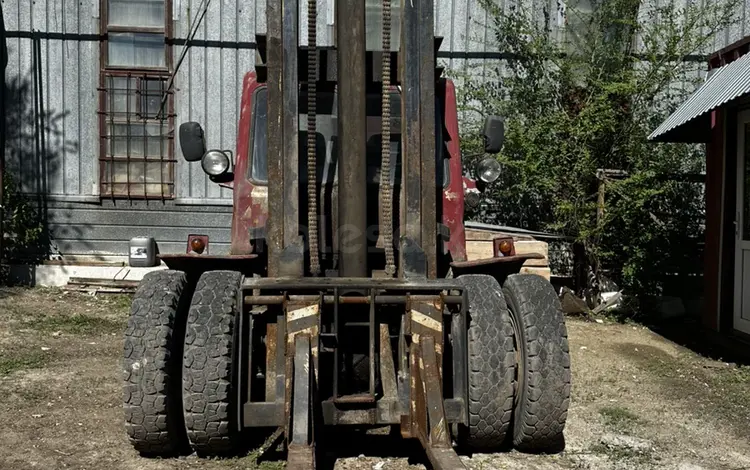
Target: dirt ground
[639, 401]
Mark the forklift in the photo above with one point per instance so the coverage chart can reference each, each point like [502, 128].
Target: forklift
[347, 299]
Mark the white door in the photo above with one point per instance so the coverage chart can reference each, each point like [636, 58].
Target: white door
[742, 227]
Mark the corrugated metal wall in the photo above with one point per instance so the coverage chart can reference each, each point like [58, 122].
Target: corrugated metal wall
[60, 159]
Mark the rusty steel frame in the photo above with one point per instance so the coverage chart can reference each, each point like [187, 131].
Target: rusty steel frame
[419, 192]
[285, 247]
[414, 401]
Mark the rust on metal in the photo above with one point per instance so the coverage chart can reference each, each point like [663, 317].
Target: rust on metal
[271, 352]
[275, 64]
[432, 383]
[499, 260]
[427, 320]
[301, 455]
[426, 37]
[356, 398]
[387, 367]
[428, 419]
[350, 300]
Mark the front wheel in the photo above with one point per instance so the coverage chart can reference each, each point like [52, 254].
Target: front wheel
[541, 407]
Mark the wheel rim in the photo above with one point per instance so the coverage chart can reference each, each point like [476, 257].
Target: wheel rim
[519, 362]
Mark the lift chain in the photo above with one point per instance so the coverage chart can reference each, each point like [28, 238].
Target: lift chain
[312, 177]
[386, 191]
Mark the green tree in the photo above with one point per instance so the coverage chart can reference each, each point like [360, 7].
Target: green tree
[587, 102]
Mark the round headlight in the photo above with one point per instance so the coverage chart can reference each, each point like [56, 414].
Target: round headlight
[488, 170]
[215, 162]
[472, 198]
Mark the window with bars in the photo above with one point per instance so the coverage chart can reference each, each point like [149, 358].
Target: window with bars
[136, 109]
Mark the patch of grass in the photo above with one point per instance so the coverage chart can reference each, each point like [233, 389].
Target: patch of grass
[622, 454]
[250, 462]
[21, 360]
[121, 302]
[618, 417]
[76, 324]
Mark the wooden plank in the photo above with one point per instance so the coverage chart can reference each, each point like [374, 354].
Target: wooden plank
[544, 272]
[477, 234]
[483, 249]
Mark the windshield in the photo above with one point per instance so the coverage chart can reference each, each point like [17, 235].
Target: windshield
[326, 141]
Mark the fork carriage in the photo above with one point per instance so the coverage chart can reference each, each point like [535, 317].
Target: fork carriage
[403, 332]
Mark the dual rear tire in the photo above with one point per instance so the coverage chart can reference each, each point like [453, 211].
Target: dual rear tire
[519, 365]
[179, 364]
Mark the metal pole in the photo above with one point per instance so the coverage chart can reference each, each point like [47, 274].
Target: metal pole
[350, 39]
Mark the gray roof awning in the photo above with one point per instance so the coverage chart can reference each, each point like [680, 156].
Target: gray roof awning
[691, 121]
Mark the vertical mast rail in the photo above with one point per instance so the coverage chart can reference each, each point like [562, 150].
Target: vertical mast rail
[411, 170]
[427, 124]
[352, 135]
[275, 135]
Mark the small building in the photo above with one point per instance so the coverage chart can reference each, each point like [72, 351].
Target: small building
[718, 114]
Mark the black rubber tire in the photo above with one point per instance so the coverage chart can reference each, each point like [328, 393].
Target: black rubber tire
[152, 364]
[491, 365]
[544, 364]
[208, 376]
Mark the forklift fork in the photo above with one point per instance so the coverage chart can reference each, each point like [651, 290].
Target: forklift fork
[425, 417]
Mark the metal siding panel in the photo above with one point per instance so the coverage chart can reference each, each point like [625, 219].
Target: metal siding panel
[91, 246]
[181, 99]
[71, 102]
[133, 215]
[459, 31]
[260, 16]
[734, 31]
[247, 24]
[14, 75]
[727, 83]
[88, 102]
[214, 85]
[55, 92]
[123, 233]
[230, 98]
[197, 101]
[443, 22]
[25, 152]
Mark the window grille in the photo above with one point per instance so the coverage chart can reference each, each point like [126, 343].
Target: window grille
[136, 119]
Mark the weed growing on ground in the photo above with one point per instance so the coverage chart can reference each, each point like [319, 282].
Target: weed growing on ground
[619, 418]
[76, 324]
[12, 361]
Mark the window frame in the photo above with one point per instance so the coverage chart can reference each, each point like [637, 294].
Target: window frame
[251, 147]
[106, 119]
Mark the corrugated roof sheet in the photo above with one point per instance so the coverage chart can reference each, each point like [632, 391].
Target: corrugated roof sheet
[724, 85]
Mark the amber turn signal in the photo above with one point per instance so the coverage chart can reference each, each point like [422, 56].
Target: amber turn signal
[505, 247]
[197, 245]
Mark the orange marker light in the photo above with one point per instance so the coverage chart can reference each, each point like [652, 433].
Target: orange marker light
[505, 247]
[197, 245]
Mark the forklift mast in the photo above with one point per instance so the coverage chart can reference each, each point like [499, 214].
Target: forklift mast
[290, 254]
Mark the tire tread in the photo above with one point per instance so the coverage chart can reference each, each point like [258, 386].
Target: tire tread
[208, 363]
[491, 364]
[542, 407]
[152, 362]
